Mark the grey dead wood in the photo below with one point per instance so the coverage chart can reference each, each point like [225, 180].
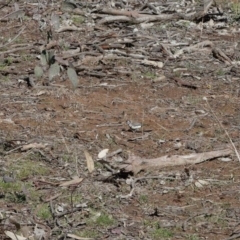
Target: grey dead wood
[136, 164]
[162, 17]
[19, 49]
[196, 47]
[235, 236]
[150, 6]
[14, 15]
[219, 54]
[4, 3]
[12, 40]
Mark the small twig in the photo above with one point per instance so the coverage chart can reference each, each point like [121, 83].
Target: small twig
[192, 124]
[184, 225]
[17, 49]
[194, 121]
[4, 5]
[42, 154]
[24, 155]
[139, 179]
[71, 197]
[235, 236]
[52, 209]
[13, 38]
[68, 212]
[220, 124]
[14, 149]
[162, 127]
[52, 198]
[46, 182]
[108, 167]
[77, 166]
[69, 28]
[109, 125]
[142, 137]
[68, 150]
[114, 153]
[105, 86]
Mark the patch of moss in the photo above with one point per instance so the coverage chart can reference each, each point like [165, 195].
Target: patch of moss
[100, 219]
[43, 212]
[8, 61]
[12, 192]
[27, 58]
[220, 73]
[5, 78]
[91, 233]
[16, 197]
[158, 232]
[77, 20]
[193, 237]
[143, 198]
[27, 167]
[33, 194]
[76, 198]
[104, 220]
[10, 187]
[235, 8]
[150, 75]
[68, 158]
[161, 233]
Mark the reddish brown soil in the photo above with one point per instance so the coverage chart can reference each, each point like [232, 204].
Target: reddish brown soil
[175, 118]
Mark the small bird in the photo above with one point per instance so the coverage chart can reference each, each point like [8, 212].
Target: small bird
[134, 125]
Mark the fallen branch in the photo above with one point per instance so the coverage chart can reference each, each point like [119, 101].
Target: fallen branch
[136, 164]
[17, 49]
[219, 54]
[193, 48]
[162, 17]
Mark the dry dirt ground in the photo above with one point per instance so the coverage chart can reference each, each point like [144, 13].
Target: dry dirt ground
[156, 71]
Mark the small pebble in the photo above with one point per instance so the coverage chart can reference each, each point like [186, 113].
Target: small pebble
[8, 179]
